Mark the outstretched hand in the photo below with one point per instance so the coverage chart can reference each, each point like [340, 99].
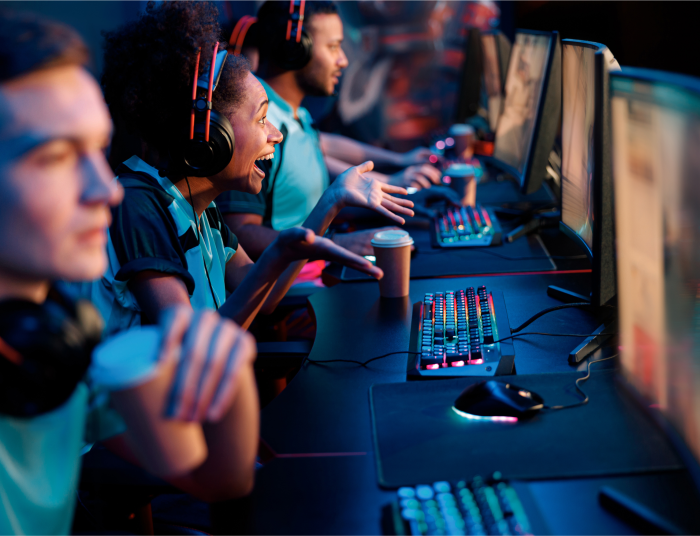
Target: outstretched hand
[353, 188]
[298, 243]
[213, 350]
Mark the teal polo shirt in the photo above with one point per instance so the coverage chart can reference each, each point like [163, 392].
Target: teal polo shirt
[297, 175]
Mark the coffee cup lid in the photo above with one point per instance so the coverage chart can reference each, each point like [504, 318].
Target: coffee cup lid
[127, 359]
[460, 170]
[393, 238]
[460, 129]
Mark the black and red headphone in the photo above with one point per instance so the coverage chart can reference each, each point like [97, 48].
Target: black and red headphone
[211, 142]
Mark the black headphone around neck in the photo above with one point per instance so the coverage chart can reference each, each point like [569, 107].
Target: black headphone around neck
[211, 142]
[45, 350]
[294, 51]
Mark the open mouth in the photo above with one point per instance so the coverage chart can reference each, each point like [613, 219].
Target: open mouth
[269, 156]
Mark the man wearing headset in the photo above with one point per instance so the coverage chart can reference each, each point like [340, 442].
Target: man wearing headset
[56, 191]
[307, 159]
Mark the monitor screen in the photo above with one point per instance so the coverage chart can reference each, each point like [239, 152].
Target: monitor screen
[578, 112]
[656, 166]
[492, 78]
[524, 86]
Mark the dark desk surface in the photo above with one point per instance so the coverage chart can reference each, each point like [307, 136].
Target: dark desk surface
[323, 480]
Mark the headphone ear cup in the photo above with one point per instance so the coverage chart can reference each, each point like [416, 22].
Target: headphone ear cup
[293, 56]
[54, 354]
[200, 158]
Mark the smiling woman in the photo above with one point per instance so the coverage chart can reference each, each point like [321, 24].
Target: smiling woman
[168, 244]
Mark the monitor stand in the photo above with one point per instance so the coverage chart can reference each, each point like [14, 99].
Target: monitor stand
[601, 334]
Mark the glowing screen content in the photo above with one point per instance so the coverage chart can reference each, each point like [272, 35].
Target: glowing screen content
[524, 86]
[492, 78]
[656, 159]
[578, 97]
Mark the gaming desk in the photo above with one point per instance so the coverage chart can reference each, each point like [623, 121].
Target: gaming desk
[322, 479]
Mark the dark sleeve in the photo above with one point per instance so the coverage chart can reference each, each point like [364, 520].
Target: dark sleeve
[144, 235]
[216, 221]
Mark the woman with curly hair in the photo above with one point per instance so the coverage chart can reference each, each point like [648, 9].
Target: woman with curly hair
[161, 253]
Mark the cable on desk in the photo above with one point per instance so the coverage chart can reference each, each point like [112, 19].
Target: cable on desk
[365, 363]
[551, 309]
[577, 382]
[362, 363]
[554, 335]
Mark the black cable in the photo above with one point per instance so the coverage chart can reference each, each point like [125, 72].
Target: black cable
[576, 383]
[551, 309]
[365, 363]
[361, 363]
[199, 237]
[553, 335]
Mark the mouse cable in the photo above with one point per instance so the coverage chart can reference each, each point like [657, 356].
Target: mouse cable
[577, 382]
[551, 309]
[365, 363]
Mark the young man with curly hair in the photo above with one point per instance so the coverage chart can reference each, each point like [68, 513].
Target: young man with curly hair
[308, 159]
[160, 253]
[56, 191]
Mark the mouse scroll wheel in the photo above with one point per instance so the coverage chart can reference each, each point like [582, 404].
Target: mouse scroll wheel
[526, 394]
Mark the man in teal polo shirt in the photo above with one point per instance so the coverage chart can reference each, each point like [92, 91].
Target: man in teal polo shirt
[308, 160]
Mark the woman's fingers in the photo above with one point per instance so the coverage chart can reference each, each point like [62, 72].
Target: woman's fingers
[365, 167]
[390, 205]
[400, 201]
[384, 212]
[392, 189]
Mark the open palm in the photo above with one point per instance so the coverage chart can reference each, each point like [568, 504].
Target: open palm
[298, 243]
[354, 188]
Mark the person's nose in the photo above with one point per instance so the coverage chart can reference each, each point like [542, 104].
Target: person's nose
[273, 134]
[342, 60]
[99, 185]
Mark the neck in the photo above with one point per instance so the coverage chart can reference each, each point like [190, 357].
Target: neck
[286, 86]
[203, 192]
[23, 287]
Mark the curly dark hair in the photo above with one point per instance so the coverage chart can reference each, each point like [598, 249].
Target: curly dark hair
[149, 70]
[29, 42]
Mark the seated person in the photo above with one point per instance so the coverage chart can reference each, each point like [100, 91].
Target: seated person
[160, 253]
[56, 190]
[307, 160]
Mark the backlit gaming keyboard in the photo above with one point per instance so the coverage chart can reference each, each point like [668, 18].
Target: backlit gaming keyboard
[474, 507]
[453, 333]
[465, 227]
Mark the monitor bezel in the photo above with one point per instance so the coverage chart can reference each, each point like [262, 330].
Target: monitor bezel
[527, 167]
[602, 252]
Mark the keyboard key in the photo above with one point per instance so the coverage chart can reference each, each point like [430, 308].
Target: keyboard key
[424, 493]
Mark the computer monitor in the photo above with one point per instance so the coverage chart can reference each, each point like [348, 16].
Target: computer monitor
[496, 50]
[656, 169]
[586, 181]
[469, 93]
[530, 120]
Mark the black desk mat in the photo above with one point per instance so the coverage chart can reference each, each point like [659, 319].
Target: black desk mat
[528, 254]
[419, 439]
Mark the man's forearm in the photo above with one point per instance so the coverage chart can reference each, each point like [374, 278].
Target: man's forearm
[355, 152]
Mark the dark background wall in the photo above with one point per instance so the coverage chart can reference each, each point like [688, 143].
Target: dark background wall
[656, 35]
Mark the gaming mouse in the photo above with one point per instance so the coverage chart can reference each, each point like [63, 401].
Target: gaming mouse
[498, 399]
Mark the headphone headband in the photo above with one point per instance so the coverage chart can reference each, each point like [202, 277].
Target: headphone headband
[295, 16]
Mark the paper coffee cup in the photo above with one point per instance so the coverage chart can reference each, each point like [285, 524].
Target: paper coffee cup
[392, 249]
[127, 366]
[464, 136]
[463, 181]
